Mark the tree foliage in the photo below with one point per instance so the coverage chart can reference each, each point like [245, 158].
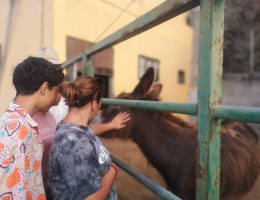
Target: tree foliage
[241, 18]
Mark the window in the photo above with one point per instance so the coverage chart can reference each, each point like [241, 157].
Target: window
[102, 63]
[106, 81]
[181, 76]
[144, 63]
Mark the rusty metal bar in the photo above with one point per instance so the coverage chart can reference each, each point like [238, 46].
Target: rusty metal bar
[244, 114]
[87, 66]
[158, 15]
[190, 109]
[155, 188]
[209, 95]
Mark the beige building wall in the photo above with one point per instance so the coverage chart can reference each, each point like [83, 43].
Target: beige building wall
[31, 29]
[170, 42]
[41, 23]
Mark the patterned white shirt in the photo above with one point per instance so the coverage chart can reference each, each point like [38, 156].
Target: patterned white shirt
[20, 156]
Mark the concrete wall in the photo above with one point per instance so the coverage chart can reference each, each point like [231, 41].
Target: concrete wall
[242, 90]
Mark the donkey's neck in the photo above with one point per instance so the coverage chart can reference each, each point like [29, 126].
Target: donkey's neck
[168, 143]
[161, 126]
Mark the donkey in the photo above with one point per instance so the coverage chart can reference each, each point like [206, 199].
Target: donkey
[169, 144]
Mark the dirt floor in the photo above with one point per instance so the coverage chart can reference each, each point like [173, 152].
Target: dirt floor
[128, 188]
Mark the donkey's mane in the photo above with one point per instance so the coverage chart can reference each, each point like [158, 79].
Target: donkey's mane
[166, 115]
[177, 120]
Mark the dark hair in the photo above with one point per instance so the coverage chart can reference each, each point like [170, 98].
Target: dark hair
[83, 90]
[29, 75]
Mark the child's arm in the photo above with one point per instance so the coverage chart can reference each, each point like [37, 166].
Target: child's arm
[117, 122]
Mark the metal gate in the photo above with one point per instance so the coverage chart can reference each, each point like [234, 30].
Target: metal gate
[209, 110]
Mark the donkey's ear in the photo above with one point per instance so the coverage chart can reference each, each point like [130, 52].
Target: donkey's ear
[155, 91]
[144, 84]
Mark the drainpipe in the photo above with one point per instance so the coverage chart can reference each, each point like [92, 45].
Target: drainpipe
[252, 44]
[42, 23]
[7, 38]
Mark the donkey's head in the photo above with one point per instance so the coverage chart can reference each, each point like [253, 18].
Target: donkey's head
[143, 91]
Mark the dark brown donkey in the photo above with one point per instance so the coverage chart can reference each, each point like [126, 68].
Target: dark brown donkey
[169, 143]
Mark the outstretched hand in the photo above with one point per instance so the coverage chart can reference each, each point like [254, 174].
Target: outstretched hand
[116, 123]
[120, 119]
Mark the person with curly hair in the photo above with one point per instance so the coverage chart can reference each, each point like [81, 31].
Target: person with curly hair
[36, 81]
[46, 120]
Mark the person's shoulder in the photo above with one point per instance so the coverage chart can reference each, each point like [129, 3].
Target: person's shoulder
[15, 114]
[72, 132]
[4, 117]
[9, 117]
[14, 126]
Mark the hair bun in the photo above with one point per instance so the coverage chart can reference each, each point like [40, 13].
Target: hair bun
[69, 91]
[83, 90]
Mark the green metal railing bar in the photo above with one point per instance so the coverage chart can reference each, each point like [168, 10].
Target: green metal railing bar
[155, 188]
[244, 114]
[209, 95]
[87, 66]
[190, 109]
[158, 15]
[238, 113]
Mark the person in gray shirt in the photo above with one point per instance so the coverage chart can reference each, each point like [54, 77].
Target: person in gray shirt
[79, 165]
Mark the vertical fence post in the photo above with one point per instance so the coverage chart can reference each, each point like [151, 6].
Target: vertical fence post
[87, 66]
[209, 95]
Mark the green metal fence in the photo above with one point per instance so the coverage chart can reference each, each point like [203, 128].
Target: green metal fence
[208, 109]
